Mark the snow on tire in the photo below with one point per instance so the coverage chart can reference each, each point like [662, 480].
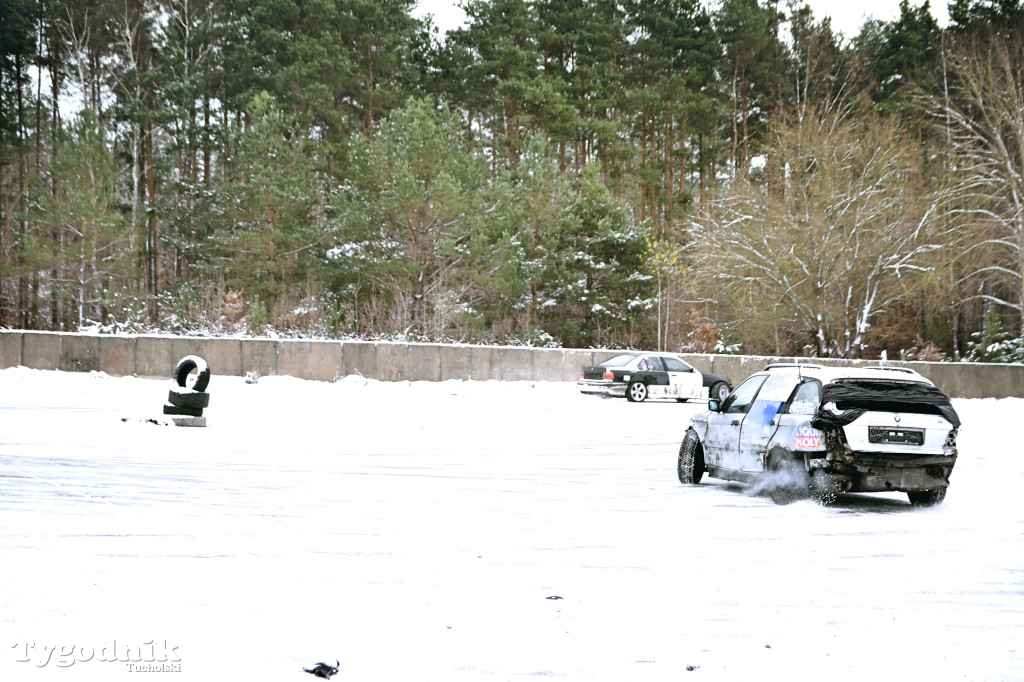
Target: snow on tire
[185, 367]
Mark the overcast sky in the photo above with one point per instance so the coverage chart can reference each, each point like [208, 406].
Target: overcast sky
[847, 15]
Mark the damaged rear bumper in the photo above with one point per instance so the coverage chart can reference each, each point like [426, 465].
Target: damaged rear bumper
[872, 473]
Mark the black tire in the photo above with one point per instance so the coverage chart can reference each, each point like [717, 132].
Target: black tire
[183, 411]
[691, 459]
[636, 392]
[786, 480]
[185, 367]
[188, 398]
[719, 392]
[927, 498]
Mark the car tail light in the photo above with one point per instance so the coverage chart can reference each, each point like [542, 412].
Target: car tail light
[608, 376]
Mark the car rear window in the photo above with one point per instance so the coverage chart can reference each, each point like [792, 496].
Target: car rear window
[854, 397]
[618, 361]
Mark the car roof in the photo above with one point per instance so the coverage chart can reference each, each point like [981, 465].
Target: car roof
[642, 353]
[830, 374]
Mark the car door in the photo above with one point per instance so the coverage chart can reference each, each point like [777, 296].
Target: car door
[721, 446]
[683, 380]
[657, 378]
[762, 420]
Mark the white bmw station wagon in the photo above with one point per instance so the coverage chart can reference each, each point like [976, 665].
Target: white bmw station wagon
[804, 429]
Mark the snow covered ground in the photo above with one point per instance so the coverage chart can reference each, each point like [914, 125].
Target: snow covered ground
[473, 531]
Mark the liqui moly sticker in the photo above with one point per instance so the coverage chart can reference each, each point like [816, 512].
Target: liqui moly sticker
[808, 438]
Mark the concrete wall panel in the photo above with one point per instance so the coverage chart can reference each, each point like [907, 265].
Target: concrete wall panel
[700, 361]
[456, 362]
[79, 353]
[736, 367]
[514, 364]
[294, 359]
[424, 362]
[259, 356]
[325, 361]
[482, 363]
[117, 355]
[154, 356]
[10, 348]
[393, 361]
[41, 350]
[556, 364]
[359, 357]
[224, 356]
[315, 360]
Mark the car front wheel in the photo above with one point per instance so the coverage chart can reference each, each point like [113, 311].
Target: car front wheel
[691, 459]
[720, 391]
[636, 392]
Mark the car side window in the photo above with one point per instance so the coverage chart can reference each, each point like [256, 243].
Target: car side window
[739, 400]
[676, 365]
[653, 364]
[806, 398]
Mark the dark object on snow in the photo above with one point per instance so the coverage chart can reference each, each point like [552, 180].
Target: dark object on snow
[855, 397]
[183, 411]
[323, 670]
[184, 399]
[188, 398]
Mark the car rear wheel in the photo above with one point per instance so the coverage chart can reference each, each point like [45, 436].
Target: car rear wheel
[927, 498]
[786, 481]
[636, 392]
[720, 391]
[691, 459]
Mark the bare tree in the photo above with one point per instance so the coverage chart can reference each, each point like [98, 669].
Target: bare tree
[984, 119]
[821, 248]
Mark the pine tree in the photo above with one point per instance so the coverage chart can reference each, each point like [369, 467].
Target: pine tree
[411, 208]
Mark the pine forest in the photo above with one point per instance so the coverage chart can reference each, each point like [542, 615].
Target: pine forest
[659, 174]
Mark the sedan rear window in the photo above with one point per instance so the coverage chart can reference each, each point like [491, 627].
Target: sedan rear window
[618, 361]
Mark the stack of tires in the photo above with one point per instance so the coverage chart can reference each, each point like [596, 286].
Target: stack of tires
[188, 397]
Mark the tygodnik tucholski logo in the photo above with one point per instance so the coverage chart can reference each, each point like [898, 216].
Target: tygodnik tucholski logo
[149, 656]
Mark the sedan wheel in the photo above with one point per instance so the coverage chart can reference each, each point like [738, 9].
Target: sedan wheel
[691, 459]
[636, 392]
[720, 391]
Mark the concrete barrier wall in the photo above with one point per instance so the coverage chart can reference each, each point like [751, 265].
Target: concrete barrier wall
[156, 356]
